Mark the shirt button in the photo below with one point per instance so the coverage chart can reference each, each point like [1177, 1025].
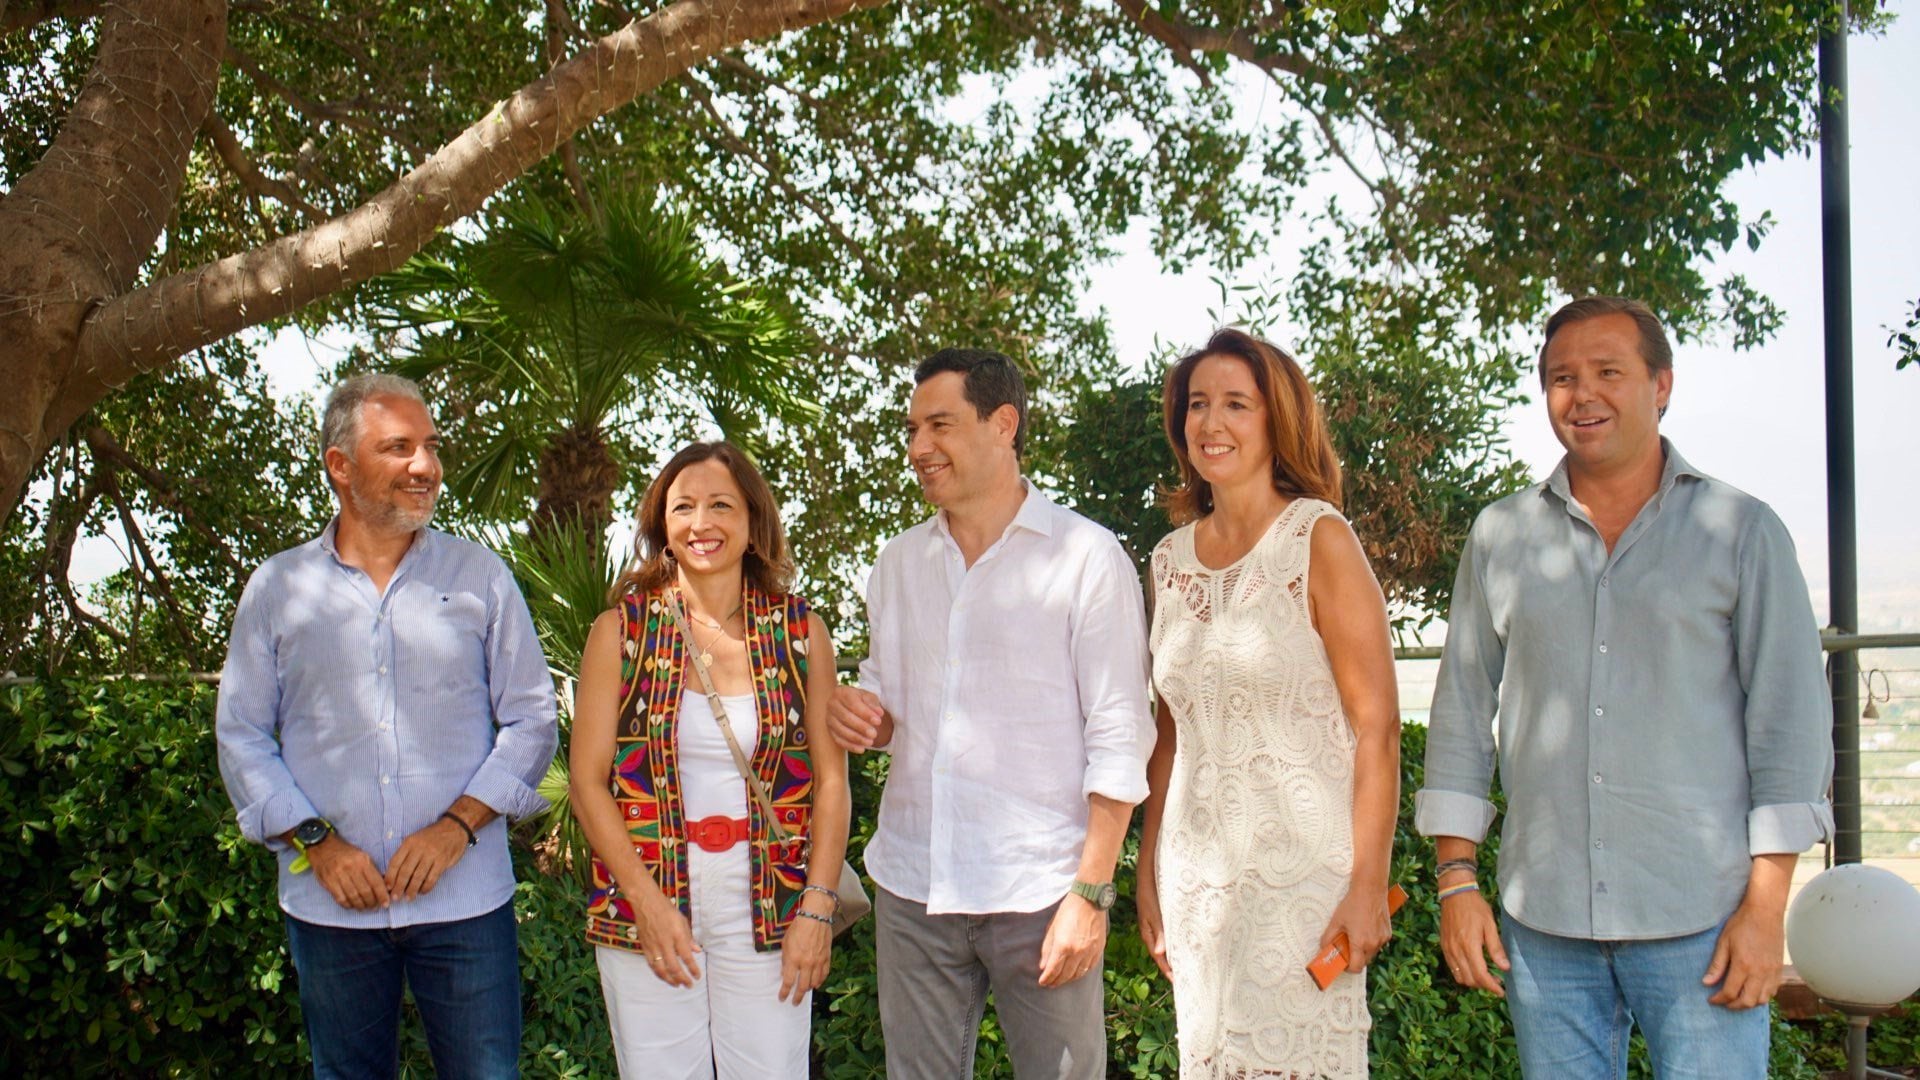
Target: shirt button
[389, 834]
[1597, 845]
[1596, 778]
[1599, 711]
[383, 669]
[386, 779]
[1603, 646]
[1603, 583]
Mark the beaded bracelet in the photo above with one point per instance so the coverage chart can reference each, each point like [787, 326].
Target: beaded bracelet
[1456, 890]
[810, 915]
[824, 891]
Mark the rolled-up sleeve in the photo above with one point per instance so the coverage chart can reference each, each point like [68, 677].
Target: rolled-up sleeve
[521, 689]
[266, 800]
[1110, 666]
[1466, 698]
[1788, 720]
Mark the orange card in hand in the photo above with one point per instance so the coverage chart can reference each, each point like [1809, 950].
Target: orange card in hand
[1330, 963]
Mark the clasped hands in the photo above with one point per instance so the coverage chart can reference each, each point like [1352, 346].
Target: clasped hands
[349, 876]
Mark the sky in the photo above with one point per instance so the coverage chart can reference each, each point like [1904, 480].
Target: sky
[1754, 419]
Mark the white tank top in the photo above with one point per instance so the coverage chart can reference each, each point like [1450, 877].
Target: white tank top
[710, 783]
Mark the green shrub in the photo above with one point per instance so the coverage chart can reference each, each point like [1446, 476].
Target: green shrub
[143, 935]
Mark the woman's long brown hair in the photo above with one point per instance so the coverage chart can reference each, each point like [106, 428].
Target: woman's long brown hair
[1304, 463]
[768, 565]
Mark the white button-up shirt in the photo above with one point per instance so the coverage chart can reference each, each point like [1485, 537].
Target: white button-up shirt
[1018, 687]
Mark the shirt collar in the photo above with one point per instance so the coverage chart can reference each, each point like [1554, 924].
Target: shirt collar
[1674, 468]
[1035, 515]
[421, 540]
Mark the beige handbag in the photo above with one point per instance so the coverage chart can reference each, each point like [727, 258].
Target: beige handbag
[854, 903]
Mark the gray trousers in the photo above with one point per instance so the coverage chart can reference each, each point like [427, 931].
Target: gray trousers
[935, 971]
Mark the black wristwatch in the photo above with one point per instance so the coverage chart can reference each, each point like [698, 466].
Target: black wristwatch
[1100, 896]
[311, 831]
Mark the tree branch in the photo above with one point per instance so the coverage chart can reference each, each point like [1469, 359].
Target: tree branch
[153, 575]
[149, 327]
[559, 28]
[23, 16]
[1185, 39]
[234, 156]
[165, 490]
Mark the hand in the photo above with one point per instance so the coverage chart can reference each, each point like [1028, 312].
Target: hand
[666, 940]
[1468, 937]
[1363, 917]
[1748, 956]
[423, 857]
[1076, 940]
[348, 874]
[805, 954]
[1146, 900]
[857, 720]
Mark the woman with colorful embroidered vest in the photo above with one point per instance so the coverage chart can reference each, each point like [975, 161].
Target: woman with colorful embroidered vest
[711, 931]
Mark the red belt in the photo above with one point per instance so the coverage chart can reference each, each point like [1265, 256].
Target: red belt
[717, 833]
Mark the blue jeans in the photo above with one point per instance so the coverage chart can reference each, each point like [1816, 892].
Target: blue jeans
[1575, 1001]
[465, 977]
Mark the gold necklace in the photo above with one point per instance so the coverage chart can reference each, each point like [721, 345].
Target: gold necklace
[718, 626]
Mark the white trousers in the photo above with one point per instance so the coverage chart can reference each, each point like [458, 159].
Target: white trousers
[730, 1023]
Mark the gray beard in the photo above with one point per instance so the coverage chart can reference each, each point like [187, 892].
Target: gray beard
[389, 517]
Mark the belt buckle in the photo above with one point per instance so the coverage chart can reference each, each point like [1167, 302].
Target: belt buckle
[714, 833]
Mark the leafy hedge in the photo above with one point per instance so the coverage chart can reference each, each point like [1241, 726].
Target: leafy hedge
[143, 937]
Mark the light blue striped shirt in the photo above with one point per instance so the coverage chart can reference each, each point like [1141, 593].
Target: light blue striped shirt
[377, 711]
[1662, 713]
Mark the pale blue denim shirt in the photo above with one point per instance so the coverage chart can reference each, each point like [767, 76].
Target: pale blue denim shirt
[377, 711]
[1663, 714]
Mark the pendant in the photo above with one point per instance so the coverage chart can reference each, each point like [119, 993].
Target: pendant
[706, 659]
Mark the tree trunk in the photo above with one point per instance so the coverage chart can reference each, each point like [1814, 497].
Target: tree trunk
[75, 230]
[577, 482]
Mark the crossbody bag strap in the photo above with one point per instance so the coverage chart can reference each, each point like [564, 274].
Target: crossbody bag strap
[720, 714]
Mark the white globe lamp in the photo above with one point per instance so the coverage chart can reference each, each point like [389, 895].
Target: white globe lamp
[1854, 932]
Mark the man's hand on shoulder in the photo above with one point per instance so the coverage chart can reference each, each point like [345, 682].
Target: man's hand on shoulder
[857, 720]
[423, 856]
[1075, 942]
[348, 874]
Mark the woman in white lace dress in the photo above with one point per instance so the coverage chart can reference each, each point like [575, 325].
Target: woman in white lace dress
[1276, 776]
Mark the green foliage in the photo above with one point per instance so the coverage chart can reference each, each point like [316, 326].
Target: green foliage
[1906, 340]
[213, 473]
[555, 323]
[145, 935]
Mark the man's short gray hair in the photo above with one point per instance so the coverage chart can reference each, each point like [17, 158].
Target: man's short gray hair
[340, 426]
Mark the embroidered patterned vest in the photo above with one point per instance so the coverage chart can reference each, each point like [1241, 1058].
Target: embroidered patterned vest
[646, 776]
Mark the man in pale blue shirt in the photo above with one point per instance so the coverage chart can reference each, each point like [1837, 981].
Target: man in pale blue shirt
[1643, 636]
[384, 708]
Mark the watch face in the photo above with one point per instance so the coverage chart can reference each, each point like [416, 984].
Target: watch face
[311, 831]
[1107, 895]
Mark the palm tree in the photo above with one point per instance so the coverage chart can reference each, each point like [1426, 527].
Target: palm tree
[553, 336]
[548, 343]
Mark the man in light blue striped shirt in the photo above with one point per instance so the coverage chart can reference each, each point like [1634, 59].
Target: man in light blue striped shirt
[384, 709]
[1642, 634]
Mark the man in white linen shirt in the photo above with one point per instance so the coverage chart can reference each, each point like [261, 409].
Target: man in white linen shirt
[1008, 678]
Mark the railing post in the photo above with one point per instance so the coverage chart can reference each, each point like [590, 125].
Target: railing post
[1836, 279]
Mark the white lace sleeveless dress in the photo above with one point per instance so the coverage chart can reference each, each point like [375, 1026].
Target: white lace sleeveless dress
[1256, 843]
